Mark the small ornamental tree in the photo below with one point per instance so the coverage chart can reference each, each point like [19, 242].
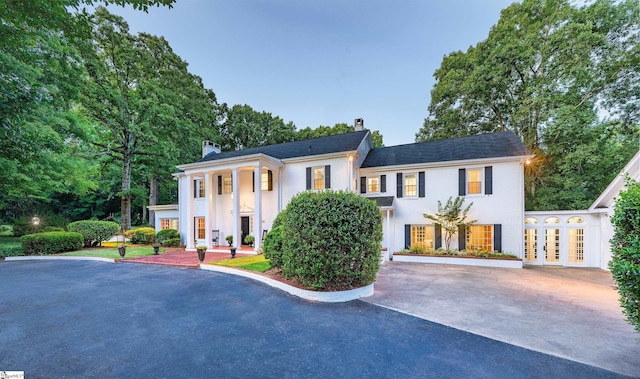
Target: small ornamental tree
[625, 247]
[330, 240]
[450, 217]
[93, 231]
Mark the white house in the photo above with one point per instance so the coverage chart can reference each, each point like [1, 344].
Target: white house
[240, 193]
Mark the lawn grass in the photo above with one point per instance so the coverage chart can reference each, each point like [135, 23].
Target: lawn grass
[108, 252]
[253, 263]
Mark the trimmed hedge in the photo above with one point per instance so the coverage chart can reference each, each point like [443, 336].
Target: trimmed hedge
[94, 232]
[331, 240]
[272, 246]
[167, 234]
[141, 235]
[24, 225]
[51, 243]
[171, 242]
[625, 247]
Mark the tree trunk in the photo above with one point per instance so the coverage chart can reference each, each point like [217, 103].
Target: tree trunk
[125, 201]
[153, 199]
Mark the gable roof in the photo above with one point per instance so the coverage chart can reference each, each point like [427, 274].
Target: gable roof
[607, 196]
[491, 145]
[314, 146]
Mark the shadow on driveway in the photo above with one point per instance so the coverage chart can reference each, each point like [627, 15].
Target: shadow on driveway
[90, 319]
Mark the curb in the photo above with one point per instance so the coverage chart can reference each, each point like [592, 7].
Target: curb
[45, 257]
[325, 297]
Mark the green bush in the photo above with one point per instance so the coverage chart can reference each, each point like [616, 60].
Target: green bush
[331, 240]
[272, 246]
[94, 232]
[51, 243]
[11, 251]
[279, 219]
[171, 242]
[141, 235]
[625, 247]
[24, 225]
[6, 230]
[167, 234]
[48, 229]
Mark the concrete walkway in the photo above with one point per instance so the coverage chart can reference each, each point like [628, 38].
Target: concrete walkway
[567, 312]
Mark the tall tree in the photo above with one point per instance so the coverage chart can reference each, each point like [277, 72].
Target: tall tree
[243, 127]
[547, 71]
[340, 128]
[139, 93]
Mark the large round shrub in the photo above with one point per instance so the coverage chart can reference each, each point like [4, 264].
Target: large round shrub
[51, 243]
[272, 246]
[141, 235]
[167, 234]
[625, 245]
[93, 231]
[331, 240]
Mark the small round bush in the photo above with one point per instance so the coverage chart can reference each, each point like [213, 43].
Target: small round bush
[279, 219]
[141, 235]
[171, 242]
[51, 243]
[331, 240]
[167, 234]
[6, 230]
[93, 231]
[272, 246]
[625, 246]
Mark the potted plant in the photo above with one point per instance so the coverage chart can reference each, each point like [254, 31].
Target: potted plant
[156, 248]
[201, 251]
[233, 251]
[229, 239]
[248, 240]
[122, 249]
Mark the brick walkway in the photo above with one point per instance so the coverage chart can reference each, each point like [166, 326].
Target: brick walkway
[182, 258]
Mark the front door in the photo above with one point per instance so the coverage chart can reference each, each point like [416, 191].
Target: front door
[244, 226]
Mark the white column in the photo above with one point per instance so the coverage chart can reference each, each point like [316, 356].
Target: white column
[387, 236]
[209, 195]
[257, 216]
[235, 215]
[190, 213]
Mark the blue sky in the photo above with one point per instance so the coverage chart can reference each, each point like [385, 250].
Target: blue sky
[322, 62]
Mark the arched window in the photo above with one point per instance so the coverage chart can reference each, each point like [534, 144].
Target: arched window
[552, 220]
[575, 220]
[530, 220]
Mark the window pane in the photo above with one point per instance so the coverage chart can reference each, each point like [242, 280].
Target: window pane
[318, 178]
[264, 181]
[530, 245]
[552, 244]
[474, 181]
[227, 185]
[373, 184]
[422, 236]
[480, 237]
[200, 228]
[576, 245]
[165, 223]
[410, 185]
[201, 188]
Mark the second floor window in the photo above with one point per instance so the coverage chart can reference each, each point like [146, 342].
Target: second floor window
[373, 184]
[410, 185]
[227, 185]
[318, 178]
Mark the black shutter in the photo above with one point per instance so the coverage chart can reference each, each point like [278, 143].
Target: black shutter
[269, 180]
[497, 237]
[253, 181]
[421, 184]
[231, 182]
[363, 184]
[462, 238]
[488, 180]
[219, 184]
[462, 182]
[383, 183]
[327, 176]
[407, 236]
[308, 178]
[438, 236]
[195, 189]
[399, 185]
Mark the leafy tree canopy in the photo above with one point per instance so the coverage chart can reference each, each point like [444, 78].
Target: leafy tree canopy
[340, 128]
[565, 79]
[243, 127]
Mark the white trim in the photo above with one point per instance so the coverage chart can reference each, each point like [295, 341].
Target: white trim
[616, 185]
[459, 163]
[166, 207]
[233, 162]
[325, 297]
[479, 262]
[321, 157]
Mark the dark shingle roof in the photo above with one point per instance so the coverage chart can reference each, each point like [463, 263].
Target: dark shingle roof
[383, 201]
[492, 145]
[314, 146]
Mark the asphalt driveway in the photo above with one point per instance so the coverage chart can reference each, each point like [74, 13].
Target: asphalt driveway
[92, 319]
[567, 312]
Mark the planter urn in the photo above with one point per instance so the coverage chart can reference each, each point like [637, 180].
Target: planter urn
[156, 249]
[233, 251]
[201, 253]
[122, 250]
